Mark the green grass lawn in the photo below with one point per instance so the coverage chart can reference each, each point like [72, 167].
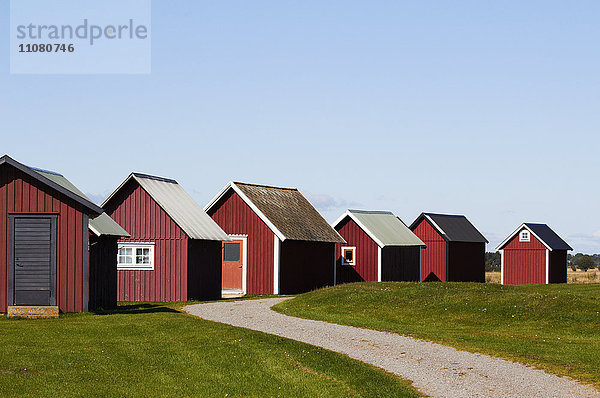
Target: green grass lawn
[154, 350]
[554, 327]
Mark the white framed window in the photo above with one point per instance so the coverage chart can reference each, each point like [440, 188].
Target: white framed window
[524, 236]
[348, 255]
[132, 256]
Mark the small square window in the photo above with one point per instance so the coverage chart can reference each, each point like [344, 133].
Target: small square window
[349, 255]
[524, 236]
[135, 256]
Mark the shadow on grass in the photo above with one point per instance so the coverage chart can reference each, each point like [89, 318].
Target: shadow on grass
[136, 309]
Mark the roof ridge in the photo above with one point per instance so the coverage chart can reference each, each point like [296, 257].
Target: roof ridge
[371, 211]
[153, 177]
[445, 215]
[45, 171]
[264, 185]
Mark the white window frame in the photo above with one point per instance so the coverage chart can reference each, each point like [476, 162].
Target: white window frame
[353, 249]
[524, 236]
[133, 266]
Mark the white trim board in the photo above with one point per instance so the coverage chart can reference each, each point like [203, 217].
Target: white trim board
[502, 267]
[347, 213]
[505, 241]
[260, 214]
[547, 266]
[379, 264]
[276, 264]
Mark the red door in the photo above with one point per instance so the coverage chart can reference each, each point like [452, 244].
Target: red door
[232, 264]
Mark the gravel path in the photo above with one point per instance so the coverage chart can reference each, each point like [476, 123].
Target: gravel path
[435, 370]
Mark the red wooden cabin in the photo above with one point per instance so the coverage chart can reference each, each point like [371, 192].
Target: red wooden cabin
[44, 232]
[455, 248]
[102, 245]
[379, 247]
[174, 251]
[281, 244]
[533, 253]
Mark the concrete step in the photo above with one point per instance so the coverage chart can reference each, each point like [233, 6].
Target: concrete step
[32, 311]
[232, 293]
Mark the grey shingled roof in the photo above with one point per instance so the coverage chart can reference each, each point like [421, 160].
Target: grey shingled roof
[453, 228]
[285, 210]
[179, 205]
[544, 233]
[383, 227]
[101, 225]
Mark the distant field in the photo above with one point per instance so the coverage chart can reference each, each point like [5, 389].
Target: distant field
[591, 276]
[555, 327]
[148, 350]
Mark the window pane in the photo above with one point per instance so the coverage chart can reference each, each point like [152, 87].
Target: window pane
[348, 255]
[231, 251]
[128, 251]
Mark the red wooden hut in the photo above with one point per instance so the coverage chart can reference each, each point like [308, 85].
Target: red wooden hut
[280, 242]
[102, 245]
[379, 247]
[174, 251]
[533, 253]
[455, 248]
[44, 243]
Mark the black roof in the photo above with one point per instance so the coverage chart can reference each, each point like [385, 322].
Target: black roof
[550, 238]
[453, 228]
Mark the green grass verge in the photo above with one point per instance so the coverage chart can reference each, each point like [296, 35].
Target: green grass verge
[554, 327]
[154, 350]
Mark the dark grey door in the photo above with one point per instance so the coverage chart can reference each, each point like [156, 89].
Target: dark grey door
[33, 260]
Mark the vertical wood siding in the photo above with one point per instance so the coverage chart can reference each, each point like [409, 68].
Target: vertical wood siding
[147, 222]
[366, 254]
[400, 263]
[466, 262]
[235, 217]
[20, 193]
[204, 269]
[524, 262]
[558, 266]
[305, 266]
[433, 258]
[103, 272]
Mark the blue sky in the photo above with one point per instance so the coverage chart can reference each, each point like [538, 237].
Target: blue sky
[488, 109]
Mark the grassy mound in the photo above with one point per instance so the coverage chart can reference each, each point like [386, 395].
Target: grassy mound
[555, 327]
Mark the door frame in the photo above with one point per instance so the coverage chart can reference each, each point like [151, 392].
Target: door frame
[244, 239]
[11, 254]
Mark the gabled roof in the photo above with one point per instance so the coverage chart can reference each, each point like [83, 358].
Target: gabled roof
[178, 204]
[383, 227]
[102, 225]
[453, 228]
[284, 210]
[92, 209]
[543, 233]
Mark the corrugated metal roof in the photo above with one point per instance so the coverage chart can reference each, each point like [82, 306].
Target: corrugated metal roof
[544, 233]
[101, 225]
[383, 227]
[454, 228]
[104, 225]
[179, 205]
[288, 213]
